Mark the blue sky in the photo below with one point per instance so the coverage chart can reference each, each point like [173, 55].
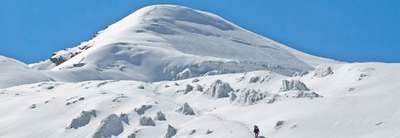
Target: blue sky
[348, 30]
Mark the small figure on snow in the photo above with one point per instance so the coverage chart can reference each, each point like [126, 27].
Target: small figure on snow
[256, 131]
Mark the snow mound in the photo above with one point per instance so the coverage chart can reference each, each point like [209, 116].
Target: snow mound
[219, 89]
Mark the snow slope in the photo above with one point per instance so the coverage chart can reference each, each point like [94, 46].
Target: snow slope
[355, 101]
[168, 42]
[14, 73]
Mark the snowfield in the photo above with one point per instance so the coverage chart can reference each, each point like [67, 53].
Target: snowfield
[174, 72]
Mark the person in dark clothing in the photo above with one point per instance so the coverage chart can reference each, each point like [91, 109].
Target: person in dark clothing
[256, 131]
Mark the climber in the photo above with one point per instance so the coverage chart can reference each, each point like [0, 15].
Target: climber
[256, 131]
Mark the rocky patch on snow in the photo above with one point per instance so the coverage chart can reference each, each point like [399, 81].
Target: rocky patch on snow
[187, 89]
[279, 124]
[185, 109]
[82, 120]
[160, 116]
[142, 109]
[259, 79]
[296, 89]
[199, 88]
[247, 96]
[146, 121]
[323, 71]
[195, 80]
[33, 106]
[111, 126]
[219, 89]
[297, 85]
[119, 98]
[171, 131]
[74, 100]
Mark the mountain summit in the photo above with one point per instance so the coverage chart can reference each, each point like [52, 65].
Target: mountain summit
[169, 42]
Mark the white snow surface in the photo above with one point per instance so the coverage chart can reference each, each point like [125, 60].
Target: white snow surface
[130, 71]
[358, 101]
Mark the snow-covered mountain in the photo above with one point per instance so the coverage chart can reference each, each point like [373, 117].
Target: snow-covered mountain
[174, 72]
[167, 42]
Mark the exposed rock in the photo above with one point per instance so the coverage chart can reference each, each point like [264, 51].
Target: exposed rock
[147, 121]
[254, 79]
[188, 89]
[209, 131]
[279, 124]
[171, 131]
[186, 109]
[57, 60]
[192, 132]
[33, 106]
[323, 71]
[110, 126]
[199, 88]
[293, 85]
[81, 99]
[160, 116]
[195, 80]
[50, 87]
[186, 73]
[119, 98]
[140, 87]
[132, 135]
[219, 89]
[124, 118]
[362, 76]
[247, 96]
[82, 120]
[141, 110]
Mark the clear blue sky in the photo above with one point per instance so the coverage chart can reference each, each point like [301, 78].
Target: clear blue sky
[349, 30]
